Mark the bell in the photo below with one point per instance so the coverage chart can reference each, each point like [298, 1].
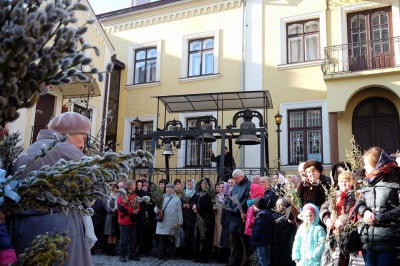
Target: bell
[207, 136]
[246, 138]
[168, 149]
[173, 127]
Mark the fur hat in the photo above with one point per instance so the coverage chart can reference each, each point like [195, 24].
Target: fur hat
[260, 203]
[70, 123]
[311, 163]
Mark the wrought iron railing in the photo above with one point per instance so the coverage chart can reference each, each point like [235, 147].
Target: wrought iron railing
[186, 173]
[350, 57]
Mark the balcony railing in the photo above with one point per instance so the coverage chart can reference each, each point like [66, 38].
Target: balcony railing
[350, 57]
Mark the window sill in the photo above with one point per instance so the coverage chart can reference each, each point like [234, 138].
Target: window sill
[197, 78]
[300, 65]
[142, 85]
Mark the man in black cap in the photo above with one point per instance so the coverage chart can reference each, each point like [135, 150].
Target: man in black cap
[229, 164]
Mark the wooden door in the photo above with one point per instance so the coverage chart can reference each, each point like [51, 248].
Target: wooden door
[44, 112]
[371, 45]
[376, 123]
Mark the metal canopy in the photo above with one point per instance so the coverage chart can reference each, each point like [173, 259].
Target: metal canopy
[77, 89]
[217, 101]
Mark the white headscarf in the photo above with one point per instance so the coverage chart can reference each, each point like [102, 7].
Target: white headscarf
[190, 192]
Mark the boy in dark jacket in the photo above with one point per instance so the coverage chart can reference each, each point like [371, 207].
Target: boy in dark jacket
[262, 231]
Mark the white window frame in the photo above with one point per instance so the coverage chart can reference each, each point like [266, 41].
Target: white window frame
[131, 64]
[185, 55]
[284, 140]
[283, 62]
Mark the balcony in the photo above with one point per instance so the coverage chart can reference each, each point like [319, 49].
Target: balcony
[361, 56]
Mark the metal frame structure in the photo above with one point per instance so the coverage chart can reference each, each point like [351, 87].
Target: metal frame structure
[215, 102]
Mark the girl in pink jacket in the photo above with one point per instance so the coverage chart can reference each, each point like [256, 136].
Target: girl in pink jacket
[256, 191]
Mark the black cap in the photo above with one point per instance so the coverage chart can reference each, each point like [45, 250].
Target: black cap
[260, 203]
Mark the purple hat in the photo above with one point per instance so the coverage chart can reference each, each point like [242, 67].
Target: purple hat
[70, 123]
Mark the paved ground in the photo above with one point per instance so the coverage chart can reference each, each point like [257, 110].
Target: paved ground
[103, 260]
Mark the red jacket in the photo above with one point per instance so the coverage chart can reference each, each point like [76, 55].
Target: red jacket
[126, 215]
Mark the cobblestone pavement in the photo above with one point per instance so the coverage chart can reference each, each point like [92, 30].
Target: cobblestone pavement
[103, 260]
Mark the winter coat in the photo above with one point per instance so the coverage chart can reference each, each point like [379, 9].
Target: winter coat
[7, 253]
[111, 224]
[256, 191]
[242, 192]
[270, 198]
[309, 242]
[282, 239]
[126, 215]
[313, 193]
[262, 229]
[327, 208]
[32, 223]
[172, 215]
[380, 198]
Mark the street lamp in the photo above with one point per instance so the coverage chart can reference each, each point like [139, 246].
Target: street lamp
[278, 121]
[136, 125]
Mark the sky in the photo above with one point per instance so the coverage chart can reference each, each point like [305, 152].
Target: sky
[103, 6]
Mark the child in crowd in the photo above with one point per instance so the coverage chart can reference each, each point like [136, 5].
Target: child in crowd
[262, 230]
[308, 244]
[7, 253]
[283, 235]
[256, 191]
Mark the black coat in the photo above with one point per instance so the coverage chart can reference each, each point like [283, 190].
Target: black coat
[380, 198]
[263, 228]
[242, 192]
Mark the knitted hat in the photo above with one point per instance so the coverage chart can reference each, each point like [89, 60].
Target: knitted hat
[170, 185]
[309, 207]
[311, 163]
[70, 123]
[260, 203]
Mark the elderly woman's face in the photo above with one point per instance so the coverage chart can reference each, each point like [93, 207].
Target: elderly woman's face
[312, 174]
[189, 185]
[78, 140]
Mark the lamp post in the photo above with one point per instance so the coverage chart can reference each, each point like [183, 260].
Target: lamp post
[278, 121]
[136, 125]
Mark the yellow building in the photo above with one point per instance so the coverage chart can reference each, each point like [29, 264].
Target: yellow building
[89, 98]
[330, 68]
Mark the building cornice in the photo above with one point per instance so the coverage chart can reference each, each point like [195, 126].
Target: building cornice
[178, 10]
[98, 28]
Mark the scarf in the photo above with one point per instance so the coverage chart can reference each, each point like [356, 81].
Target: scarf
[376, 175]
[340, 205]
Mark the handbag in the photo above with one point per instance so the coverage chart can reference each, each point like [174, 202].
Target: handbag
[158, 218]
[90, 236]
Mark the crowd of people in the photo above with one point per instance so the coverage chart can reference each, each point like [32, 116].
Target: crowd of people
[243, 220]
[237, 221]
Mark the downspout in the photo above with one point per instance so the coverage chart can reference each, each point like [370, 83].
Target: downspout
[242, 71]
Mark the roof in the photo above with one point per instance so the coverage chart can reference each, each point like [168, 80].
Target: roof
[76, 89]
[217, 101]
[135, 8]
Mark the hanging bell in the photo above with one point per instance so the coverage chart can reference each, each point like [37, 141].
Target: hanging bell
[208, 137]
[207, 128]
[246, 138]
[174, 126]
[168, 149]
[247, 135]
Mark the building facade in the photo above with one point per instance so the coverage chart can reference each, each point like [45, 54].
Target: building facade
[331, 68]
[89, 98]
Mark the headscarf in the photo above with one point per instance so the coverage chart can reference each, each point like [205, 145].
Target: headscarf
[199, 190]
[384, 166]
[190, 192]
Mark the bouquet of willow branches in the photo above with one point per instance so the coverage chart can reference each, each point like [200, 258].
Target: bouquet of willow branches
[38, 47]
[47, 249]
[66, 185]
[157, 196]
[289, 193]
[200, 229]
[354, 155]
[235, 200]
[9, 149]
